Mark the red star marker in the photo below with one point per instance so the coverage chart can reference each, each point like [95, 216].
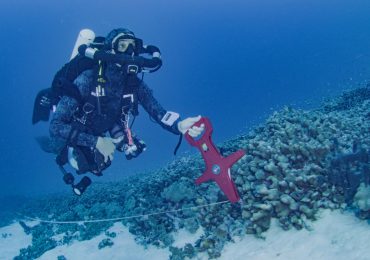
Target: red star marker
[217, 166]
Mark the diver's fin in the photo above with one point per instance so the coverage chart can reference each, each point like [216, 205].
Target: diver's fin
[42, 106]
[47, 145]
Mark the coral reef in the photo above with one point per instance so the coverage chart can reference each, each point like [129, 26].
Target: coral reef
[348, 171]
[297, 163]
[179, 191]
[362, 198]
[105, 243]
[348, 99]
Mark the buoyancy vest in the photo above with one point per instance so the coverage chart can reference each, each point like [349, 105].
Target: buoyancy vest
[112, 97]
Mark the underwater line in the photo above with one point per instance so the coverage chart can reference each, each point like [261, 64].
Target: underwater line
[122, 218]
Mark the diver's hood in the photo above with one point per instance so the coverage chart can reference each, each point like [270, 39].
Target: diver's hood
[112, 38]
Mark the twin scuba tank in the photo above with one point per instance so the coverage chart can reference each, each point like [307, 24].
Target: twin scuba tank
[86, 36]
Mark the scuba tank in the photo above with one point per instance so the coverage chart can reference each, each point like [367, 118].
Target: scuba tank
[86, 36]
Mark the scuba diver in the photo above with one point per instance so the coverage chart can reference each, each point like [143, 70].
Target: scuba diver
[94, 100]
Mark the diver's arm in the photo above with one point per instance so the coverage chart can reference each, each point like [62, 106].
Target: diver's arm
[151, 64]
[168, 120]
[61, 123]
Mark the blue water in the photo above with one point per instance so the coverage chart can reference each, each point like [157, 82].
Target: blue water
[233, 61]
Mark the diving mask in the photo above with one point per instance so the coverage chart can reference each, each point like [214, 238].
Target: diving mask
[123, 44]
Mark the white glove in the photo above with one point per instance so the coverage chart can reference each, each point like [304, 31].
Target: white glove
[186, 125]
[106, 146]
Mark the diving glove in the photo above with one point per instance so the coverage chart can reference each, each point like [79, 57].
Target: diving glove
[187, 125]
[106, 146]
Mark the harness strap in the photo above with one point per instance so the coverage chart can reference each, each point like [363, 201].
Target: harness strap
[99, 90]
[130, 96]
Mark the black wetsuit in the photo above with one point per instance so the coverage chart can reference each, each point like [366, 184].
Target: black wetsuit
[111, 104]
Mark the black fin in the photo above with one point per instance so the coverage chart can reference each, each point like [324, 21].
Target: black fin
[47, 145]
[42, 106]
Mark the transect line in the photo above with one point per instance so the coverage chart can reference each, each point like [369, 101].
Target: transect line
[122, 218]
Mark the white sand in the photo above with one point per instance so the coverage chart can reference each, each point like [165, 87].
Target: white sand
[182, 237]
[12, 239]
[335, 236]
[124, 247]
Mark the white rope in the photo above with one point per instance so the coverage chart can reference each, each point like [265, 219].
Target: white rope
[127, 217]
